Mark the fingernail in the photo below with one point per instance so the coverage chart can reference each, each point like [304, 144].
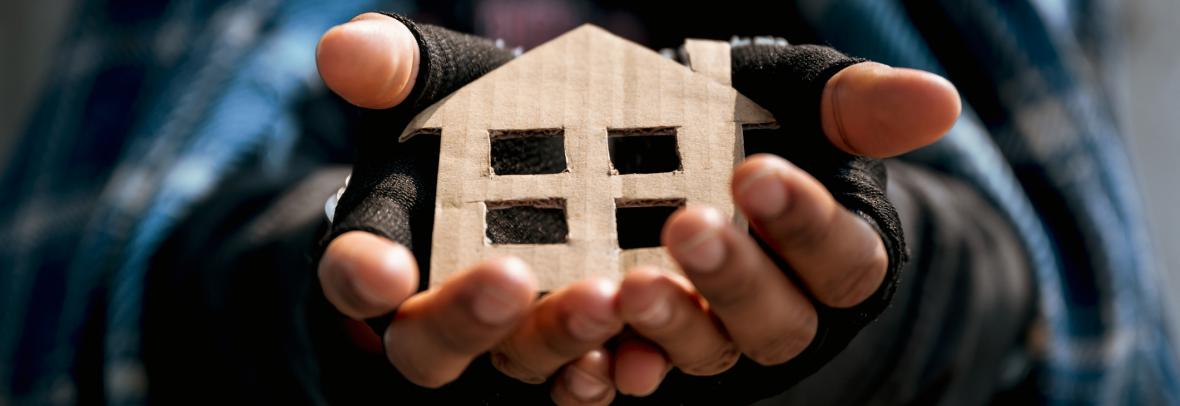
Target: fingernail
[762, 194]
[704, 251]
[495, 306]
[584, 386]
[655, 315]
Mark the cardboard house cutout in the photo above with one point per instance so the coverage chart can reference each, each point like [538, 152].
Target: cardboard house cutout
[584, 95]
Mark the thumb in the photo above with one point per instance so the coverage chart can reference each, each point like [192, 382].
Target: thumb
[874, 110]
[364, 275]
[371, 61]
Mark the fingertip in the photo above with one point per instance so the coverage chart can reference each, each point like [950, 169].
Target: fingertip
[932, 96]
[560, 327]
[640, 367]
[642, 300]
[586, 380]
[502, 289]
[693, 238]
[437, 333]
[875, 110]
[597, 297]
[514, 272]
[757, 163]
[638, 278]
[370, 16]
[758, 186]
[365, 275]
[371, 61]
[588, 309]
[753, 169]
[690, 221]
[604, 288]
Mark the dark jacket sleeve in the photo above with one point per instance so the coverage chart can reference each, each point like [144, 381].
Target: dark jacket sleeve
[956, 330]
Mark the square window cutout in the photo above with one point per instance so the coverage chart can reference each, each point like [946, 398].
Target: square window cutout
[528, 152]
[638, 223]
[643, 150]
[765, 139]
[526, 222]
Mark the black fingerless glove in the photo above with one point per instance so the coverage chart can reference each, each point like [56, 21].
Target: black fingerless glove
[391, 191]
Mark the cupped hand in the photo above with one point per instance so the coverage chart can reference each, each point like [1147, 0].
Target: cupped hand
[372, 62]
[732, 298]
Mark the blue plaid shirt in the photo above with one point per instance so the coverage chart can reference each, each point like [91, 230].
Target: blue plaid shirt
[151, 105]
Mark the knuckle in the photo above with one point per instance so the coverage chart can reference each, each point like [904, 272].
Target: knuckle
[558, 338]
[542, 357]
[776, 350]
[561, 345]
[780, 347]
[508, 365]
[417, 372]
[664, 314]
[719, 360]
[861, 281]
[807, 220]
[732, 291]
[452, 339]
[801, 231]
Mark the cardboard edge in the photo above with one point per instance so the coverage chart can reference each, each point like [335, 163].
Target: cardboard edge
[710, 58]
[427, 119]
[747, 112]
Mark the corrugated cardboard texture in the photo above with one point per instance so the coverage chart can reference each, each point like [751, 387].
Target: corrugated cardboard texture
[586, 82]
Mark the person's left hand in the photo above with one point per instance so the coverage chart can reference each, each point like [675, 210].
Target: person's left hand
[733, 299]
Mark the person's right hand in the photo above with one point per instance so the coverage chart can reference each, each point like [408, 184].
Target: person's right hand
[437, 333]
[372, 62]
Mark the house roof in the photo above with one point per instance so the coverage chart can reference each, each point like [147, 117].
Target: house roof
[621, 83]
